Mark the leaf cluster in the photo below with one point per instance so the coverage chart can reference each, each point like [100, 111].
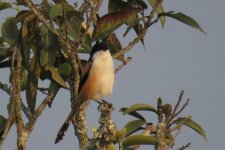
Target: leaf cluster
[141, 131]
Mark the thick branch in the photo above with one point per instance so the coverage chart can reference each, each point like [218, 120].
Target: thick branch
[106, 134]
[160, 137]
[16, 72]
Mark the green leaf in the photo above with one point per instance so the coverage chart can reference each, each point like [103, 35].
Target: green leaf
[23, 80]
[192, 124]
[87, 44]
[115, 46]
[167, 109]
[56, 77]
[133, 126]
[20, 2]
[56, 10]
[184, 19]
[134, 113]
[2, 124]
[138, 140]
[75, 28]
[158, 11]
[24, 42]
[111, 147]
[46, 6]
[117, 5]
[22, 15]
[9, 30]
[120, 134]
[111, 21]
[138, 28]
[64, 71]
[4, 5]
[5, 53]
[49, 47]
[131, 23]
[32, 83]
[114, 43]
[137, 4]
[138, 107]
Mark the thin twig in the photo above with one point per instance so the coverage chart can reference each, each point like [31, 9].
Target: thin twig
[185, 146]
[6, 89]
[43, 90]
[30, 125]
[178, 102]
[26, 111]
[175, 108]
[177, 113]
[182, 108]
[122, 65]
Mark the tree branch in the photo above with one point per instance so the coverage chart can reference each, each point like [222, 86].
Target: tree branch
[106, 134]
[5, 88]
[16, 97]
[30, 125]
[185, 146]
[122, 65]
[26, 110]
[41, 17]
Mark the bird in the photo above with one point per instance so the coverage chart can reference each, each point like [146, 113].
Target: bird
[96, 82]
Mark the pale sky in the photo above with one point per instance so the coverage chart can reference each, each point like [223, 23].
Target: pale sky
[176, 58]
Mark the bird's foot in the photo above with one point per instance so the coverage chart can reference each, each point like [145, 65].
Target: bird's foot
[104, 105]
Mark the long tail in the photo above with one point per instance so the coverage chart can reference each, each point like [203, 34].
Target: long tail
[65, 126]
[68, 121]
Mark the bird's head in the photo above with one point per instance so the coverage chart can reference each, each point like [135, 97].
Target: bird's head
[100, 46]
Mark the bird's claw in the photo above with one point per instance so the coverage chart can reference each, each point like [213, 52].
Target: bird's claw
[105, 103]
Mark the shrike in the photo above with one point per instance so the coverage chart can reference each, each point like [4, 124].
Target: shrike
[96, 82]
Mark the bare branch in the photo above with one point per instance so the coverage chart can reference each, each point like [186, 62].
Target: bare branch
[16, 97]
[30, 125]
[176, 112]
[182, 108]
[123, 64]
[178, 102]
[26, 111]
[185, 146]
[43, 90]
[5, 88]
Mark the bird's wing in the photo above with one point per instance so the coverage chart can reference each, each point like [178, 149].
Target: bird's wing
[85, 75]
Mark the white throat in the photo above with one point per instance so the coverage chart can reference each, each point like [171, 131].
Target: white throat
[103, 67]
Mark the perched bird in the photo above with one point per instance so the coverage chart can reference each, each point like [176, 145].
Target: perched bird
[96, 82]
